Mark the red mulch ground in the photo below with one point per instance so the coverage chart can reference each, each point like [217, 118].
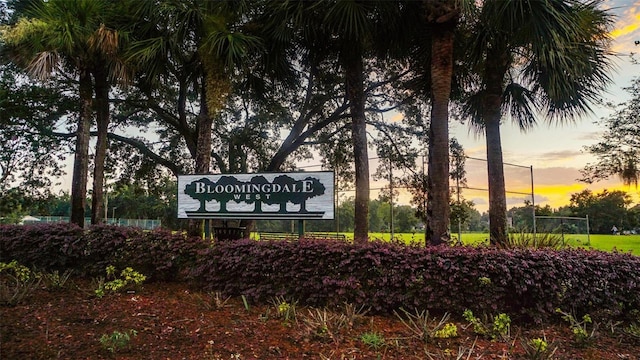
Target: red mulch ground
[174, 321]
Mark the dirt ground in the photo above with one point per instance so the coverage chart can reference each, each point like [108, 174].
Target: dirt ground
[175, 321]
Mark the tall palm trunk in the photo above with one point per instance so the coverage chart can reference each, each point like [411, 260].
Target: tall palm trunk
[102, 119]
[497, 197]
[496, 68]
[355, 92]
[438, 181]
[215, 89]
[81, 156]
[203, 143]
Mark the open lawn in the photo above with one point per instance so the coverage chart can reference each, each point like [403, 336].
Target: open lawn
[622, 243]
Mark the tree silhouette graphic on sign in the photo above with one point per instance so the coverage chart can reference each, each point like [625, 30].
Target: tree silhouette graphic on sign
[224, 197]
[197, 190]
[282, 197]
[259, 197]
[316, 187]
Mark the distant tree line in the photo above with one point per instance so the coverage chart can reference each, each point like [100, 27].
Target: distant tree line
[604, 210]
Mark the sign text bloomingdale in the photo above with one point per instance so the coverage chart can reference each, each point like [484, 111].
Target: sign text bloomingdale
[302, 195]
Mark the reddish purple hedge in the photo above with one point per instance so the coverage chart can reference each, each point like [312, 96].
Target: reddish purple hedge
[525, 283]
[384, 276]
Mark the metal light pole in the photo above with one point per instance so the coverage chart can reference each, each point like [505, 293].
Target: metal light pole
[391, 199]
[106, 203]
[533, 206]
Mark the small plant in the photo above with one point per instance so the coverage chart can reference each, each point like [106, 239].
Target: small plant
[524, 239]
[54, 280]
[499, 328]
[421, 325]
[285, 310]
[128, 278]
[211, 300]
[449, 330]
[538, 349]
[462, 353]
[580, 328]
[479, 327]
[245, 302]
[633, 330]
[117, 341]
[354, 314]
[372, 339]
[324, 324]
[16, 282]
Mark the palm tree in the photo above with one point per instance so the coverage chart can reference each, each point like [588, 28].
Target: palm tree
[533, 56]
[352, 32]
[60, 36]
[207, 37]
[442, 16]
[434, 28]
[208, 41]
[108, 69]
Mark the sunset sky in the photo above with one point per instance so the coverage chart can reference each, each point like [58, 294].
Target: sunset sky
[556, 152]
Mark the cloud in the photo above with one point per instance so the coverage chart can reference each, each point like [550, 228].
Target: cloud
[627, 27]
[540, 199]
[516, 201]
[480, 201]
[590, 136]
[559, 155]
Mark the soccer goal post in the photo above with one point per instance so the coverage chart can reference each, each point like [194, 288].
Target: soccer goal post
[569, 227]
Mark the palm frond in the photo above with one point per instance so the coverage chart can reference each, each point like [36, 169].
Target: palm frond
[104, 41]
[519, 102]
[350, 18]
[43, 64]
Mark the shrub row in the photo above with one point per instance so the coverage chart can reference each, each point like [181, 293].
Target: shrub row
[382, 276]
[530, 284]
[159, 254]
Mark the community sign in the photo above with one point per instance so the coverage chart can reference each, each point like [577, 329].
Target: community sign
[300, 195]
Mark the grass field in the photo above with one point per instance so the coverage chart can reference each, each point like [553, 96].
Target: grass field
[622, 243]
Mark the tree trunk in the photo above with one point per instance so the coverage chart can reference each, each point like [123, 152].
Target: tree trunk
[102, 119]
[437, 227]
[81, 155]
[496, 68]
[203, 154]
[355, 92]
[497, 197]
[215, 88]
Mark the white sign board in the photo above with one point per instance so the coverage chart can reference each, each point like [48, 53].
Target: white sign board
[301, 195]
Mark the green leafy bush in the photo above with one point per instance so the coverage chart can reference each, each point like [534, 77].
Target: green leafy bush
[583, 330]
[498, 327]
[16, 283]
[129, 278]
